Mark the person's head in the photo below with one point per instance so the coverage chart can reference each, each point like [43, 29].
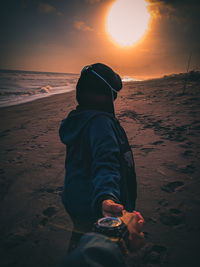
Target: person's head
[97, 87]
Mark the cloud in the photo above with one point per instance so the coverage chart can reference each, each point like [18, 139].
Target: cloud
[181, 11]
[59, 13]
[178, 21]
[176, 2]
[160, 9]
[93, 1]
[167, 7]
[81, 26]
[47, 9]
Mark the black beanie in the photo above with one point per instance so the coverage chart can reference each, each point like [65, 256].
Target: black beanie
[89, 82]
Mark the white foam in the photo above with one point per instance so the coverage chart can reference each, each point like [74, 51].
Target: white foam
[18, 87]
[130, 79]
[46, 89]
[16, 100]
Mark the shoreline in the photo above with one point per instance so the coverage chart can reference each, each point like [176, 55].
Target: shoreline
[37, 99]
[34, 98]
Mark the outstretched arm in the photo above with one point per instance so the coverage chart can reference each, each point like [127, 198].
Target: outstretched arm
[105, 167]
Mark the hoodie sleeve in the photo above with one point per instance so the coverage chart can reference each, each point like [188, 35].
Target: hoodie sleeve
[94, 250]
[105, 169]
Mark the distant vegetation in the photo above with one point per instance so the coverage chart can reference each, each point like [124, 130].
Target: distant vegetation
[190, 76]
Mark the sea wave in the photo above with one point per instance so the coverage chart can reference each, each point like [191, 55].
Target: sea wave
[16, 98]
[18, 87]
[46, 89]
[130, 79]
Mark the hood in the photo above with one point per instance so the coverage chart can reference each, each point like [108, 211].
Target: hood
[77, 119]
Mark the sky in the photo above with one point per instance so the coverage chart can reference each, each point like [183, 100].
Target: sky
[66, 35]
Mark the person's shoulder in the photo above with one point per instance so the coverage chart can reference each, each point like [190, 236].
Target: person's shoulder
[102, 120]
[103, 128]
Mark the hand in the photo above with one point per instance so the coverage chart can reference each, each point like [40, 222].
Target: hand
[111, 209]
[134, 222]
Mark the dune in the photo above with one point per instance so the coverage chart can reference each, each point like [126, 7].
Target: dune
[162, 122]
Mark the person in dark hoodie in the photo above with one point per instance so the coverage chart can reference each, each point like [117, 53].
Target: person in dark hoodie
[100, 175]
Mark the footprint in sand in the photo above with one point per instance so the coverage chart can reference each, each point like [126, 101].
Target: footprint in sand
[147, 150]
[157, 142]
[136, 146]
[2, 171]
[50, 211]
[43, 221]
[170, 165]
[14, 240]
[171, 216]
[190, 168]
[172, 186]
[154, 254]
[5, 133]
[187, 144]
[43, 218]
[150, 220]
[59, 190]
[163, 202]
[187, 153]
[46, 165]
[39, 220]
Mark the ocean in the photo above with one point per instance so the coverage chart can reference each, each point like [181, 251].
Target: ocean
[18, 87]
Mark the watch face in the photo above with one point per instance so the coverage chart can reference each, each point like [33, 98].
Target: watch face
[115, 229]
[109, 222]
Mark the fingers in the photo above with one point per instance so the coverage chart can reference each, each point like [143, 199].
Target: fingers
[136, 236]
[140, 218]
[133, 220]
[110, 208]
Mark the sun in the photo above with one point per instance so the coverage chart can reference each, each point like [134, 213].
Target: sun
[127, 21]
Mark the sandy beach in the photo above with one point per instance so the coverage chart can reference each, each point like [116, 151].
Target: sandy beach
[163, 126]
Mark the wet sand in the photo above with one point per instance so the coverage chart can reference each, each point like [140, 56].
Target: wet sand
[163, 127]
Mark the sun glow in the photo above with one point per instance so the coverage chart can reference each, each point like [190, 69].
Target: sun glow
[127, 21]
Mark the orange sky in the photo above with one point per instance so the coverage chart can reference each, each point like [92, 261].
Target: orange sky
[63, 36]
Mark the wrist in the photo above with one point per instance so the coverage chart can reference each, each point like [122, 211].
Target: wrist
[116, 230]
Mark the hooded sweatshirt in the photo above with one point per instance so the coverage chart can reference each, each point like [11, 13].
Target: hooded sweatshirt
[99, 164]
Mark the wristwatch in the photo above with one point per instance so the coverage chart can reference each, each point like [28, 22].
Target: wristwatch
[115, 229]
